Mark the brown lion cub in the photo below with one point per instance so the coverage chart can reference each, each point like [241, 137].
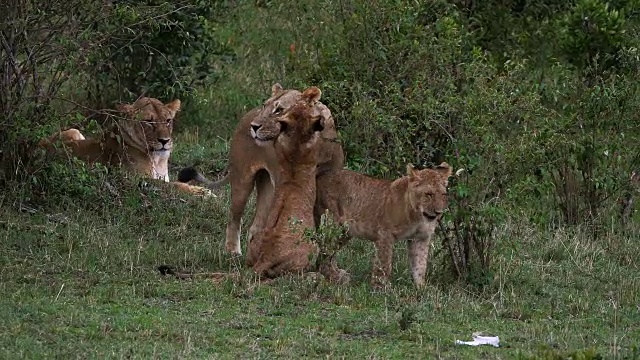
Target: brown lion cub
[280, 248]
[385, 211]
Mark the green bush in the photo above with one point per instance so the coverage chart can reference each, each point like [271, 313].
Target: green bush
[537, 101]
[540, 112]
[59, 65]
[166, 49]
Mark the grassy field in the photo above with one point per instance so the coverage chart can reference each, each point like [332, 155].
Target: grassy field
[80, 281]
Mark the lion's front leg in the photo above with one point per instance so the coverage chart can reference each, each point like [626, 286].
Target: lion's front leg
[264, 198]
[326, 262]
[328, 266]
[241, 189]
[255, 251]
[419, 257]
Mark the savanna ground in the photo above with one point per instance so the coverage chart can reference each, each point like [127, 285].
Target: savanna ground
[547, 134]
[81, 281]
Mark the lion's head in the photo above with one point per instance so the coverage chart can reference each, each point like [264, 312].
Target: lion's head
[147, 125]
[265, 127]
[428, 190]
[301, 126]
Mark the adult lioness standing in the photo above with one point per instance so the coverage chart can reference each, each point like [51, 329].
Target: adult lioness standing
[385, 211]
[252, 160]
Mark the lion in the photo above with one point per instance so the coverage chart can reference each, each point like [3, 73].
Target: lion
[384, 211]
[140, 141]
[253, 163]
[281, 247]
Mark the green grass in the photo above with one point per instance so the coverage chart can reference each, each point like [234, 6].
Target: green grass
[81, 282]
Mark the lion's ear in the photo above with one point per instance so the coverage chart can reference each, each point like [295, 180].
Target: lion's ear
[411, 171]
[275, 89]
[444, 169]
[312, 95]
[125, 109]
[174, 106]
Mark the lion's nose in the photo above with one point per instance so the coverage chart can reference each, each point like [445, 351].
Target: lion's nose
[163, 141]
[255, 127]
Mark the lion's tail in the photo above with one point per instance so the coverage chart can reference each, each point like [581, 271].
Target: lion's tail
[190, 173]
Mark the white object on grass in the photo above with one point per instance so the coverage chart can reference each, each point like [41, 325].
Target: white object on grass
[481, 340]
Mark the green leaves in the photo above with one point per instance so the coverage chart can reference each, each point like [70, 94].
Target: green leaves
[168, 49]
[593, 29]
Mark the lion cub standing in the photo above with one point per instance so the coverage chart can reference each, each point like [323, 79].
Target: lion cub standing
[385, 211]
[280, 248]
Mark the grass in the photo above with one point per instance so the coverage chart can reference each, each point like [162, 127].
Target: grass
[80, 281]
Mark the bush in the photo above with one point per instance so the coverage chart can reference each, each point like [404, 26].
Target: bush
[540, 112]
[537, 101]
[167, 49]
[59, 65]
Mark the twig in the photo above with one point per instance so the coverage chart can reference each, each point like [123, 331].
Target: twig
[59, 291]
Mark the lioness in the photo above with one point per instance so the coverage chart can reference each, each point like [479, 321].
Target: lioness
[281, 247]
[141, 140]
[252, 161]
[385, 211]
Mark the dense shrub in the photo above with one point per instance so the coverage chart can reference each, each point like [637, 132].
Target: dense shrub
[60, 65]
[162, 48]
[536, 100]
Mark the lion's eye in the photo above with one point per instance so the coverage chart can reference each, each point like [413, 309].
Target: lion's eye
[169, 121]
[278, 110]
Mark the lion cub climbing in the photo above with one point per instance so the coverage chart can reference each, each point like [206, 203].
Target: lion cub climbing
[385, 211]
[280, 248]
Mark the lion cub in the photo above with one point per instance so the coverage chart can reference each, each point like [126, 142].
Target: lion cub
[385, 211]
[280, 248]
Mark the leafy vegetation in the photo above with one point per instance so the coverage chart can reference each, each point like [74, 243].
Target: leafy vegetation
[537, 102]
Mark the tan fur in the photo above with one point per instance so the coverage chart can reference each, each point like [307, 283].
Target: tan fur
[140, 140]
[66, 136]
[253, 163]
[385, 211]
[280, 248]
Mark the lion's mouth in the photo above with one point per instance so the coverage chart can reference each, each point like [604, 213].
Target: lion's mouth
[430, 217]
[261, 138]
[257, 137]
[160, 151]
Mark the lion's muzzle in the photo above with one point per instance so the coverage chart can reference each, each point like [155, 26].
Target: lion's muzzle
[164, 144]
[432, 216]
